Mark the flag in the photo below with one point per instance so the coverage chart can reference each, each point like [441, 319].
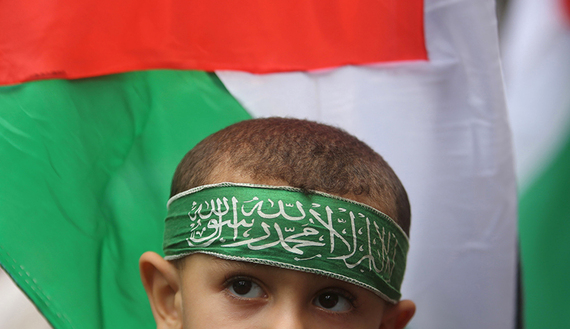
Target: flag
[104, 145]
[86, 171]
[86, 38]
[442, 125]
[536, 48]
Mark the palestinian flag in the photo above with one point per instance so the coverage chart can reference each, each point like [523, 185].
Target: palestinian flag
[536, 47]
[101, 100]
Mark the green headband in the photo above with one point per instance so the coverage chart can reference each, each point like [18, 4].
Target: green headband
[282, 226]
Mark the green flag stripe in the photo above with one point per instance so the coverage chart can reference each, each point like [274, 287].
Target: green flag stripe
[86, 168]
[544, 225]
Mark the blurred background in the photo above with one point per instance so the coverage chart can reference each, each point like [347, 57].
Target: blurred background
[535, 44]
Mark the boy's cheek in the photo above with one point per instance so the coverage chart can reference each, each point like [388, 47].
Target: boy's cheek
[217, 311]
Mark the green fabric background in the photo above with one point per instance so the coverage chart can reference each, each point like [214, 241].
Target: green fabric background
[544, 222]
[85, 174]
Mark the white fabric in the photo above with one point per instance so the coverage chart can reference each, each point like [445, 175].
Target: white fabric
[536, 52]
[16, 310]
[442, 125]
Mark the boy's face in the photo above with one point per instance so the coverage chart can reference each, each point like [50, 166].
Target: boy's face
[218, 293]
[212, 293]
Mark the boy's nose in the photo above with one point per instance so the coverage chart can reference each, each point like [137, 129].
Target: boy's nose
[288, 322]
[287, 316]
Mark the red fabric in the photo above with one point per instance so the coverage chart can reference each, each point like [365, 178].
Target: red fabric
[566, 5]
[42, 39]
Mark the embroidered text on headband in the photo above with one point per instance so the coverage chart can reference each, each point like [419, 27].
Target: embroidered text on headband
[284, 227]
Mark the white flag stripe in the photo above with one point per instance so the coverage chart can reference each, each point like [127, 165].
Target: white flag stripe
[16, 310]
[536, 53]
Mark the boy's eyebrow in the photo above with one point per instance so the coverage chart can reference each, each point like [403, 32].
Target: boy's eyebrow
[233, 264]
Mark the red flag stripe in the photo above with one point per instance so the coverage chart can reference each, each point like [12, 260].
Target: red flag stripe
[566, 6]
[74, 39]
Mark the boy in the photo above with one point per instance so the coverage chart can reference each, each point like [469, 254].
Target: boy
[281, 223]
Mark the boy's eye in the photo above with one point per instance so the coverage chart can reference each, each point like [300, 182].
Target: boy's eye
[332, 301]
[245, 288]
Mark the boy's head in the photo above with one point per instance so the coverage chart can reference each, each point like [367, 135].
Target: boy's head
[252, 255]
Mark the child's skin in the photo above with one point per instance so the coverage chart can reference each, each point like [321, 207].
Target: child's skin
[208, 292]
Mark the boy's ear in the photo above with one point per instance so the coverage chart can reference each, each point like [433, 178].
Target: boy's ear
[161, 282]
[397, 316]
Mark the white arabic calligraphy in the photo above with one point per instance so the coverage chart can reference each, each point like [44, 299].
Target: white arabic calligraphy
[262, 224]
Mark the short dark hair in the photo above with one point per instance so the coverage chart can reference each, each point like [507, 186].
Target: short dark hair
[305, 154]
